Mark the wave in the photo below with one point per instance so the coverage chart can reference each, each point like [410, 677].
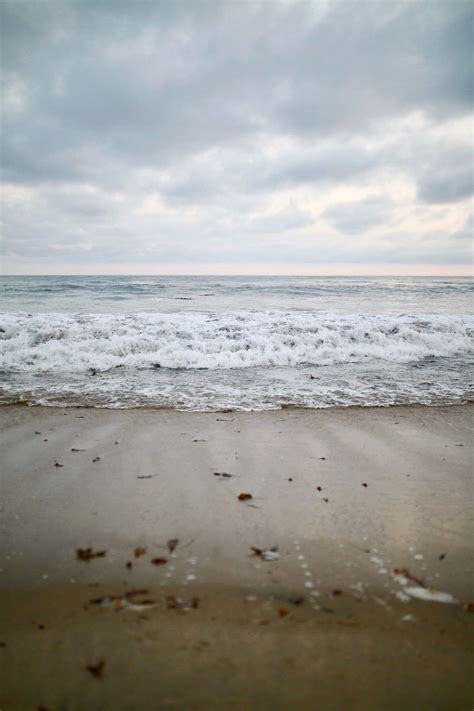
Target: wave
[57, 342]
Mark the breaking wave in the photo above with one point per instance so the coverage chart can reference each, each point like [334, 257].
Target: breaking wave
[250, 360]
[214, 341]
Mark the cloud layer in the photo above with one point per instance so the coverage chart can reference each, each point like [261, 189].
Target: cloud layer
[235, 133]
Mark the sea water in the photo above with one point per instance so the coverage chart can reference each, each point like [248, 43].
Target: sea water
[249, 343]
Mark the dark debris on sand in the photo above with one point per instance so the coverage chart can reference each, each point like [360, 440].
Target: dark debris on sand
[97, 670]
[86, 554]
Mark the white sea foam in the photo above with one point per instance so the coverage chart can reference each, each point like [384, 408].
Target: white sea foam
[195, 340]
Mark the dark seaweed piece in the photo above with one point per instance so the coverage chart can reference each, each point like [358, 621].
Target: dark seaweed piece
[96, 670]
[268, 554]
[87, 554]
[296, 600]
[171, 602]
[135, 592]
[159, 561]
[172, 543]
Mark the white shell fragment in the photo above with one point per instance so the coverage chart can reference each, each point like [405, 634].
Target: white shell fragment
[127, 601]
[269, 555]
[401, 596]
[430, 595]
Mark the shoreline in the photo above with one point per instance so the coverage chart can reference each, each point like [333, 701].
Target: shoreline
[229, 410]
[346, 495]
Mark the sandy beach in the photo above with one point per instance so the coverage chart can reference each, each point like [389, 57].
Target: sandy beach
[287, 599]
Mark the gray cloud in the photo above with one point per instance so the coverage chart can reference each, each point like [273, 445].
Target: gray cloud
[221, 106]
[447, 186]
[150, 83]
[467, 231]
[359, 215]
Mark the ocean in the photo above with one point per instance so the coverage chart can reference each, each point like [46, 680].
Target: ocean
[246, 343]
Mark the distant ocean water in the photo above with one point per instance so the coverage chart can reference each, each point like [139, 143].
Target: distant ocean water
[251, 343]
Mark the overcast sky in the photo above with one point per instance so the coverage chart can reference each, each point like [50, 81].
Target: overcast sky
[237, 137]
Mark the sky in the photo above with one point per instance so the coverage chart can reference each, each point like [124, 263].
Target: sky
[237, 137]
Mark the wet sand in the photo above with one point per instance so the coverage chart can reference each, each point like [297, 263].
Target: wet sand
[345, 496]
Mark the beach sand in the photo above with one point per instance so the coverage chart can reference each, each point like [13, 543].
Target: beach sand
[344, 496]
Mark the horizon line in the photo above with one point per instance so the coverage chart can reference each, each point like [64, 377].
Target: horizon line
[221, 274]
